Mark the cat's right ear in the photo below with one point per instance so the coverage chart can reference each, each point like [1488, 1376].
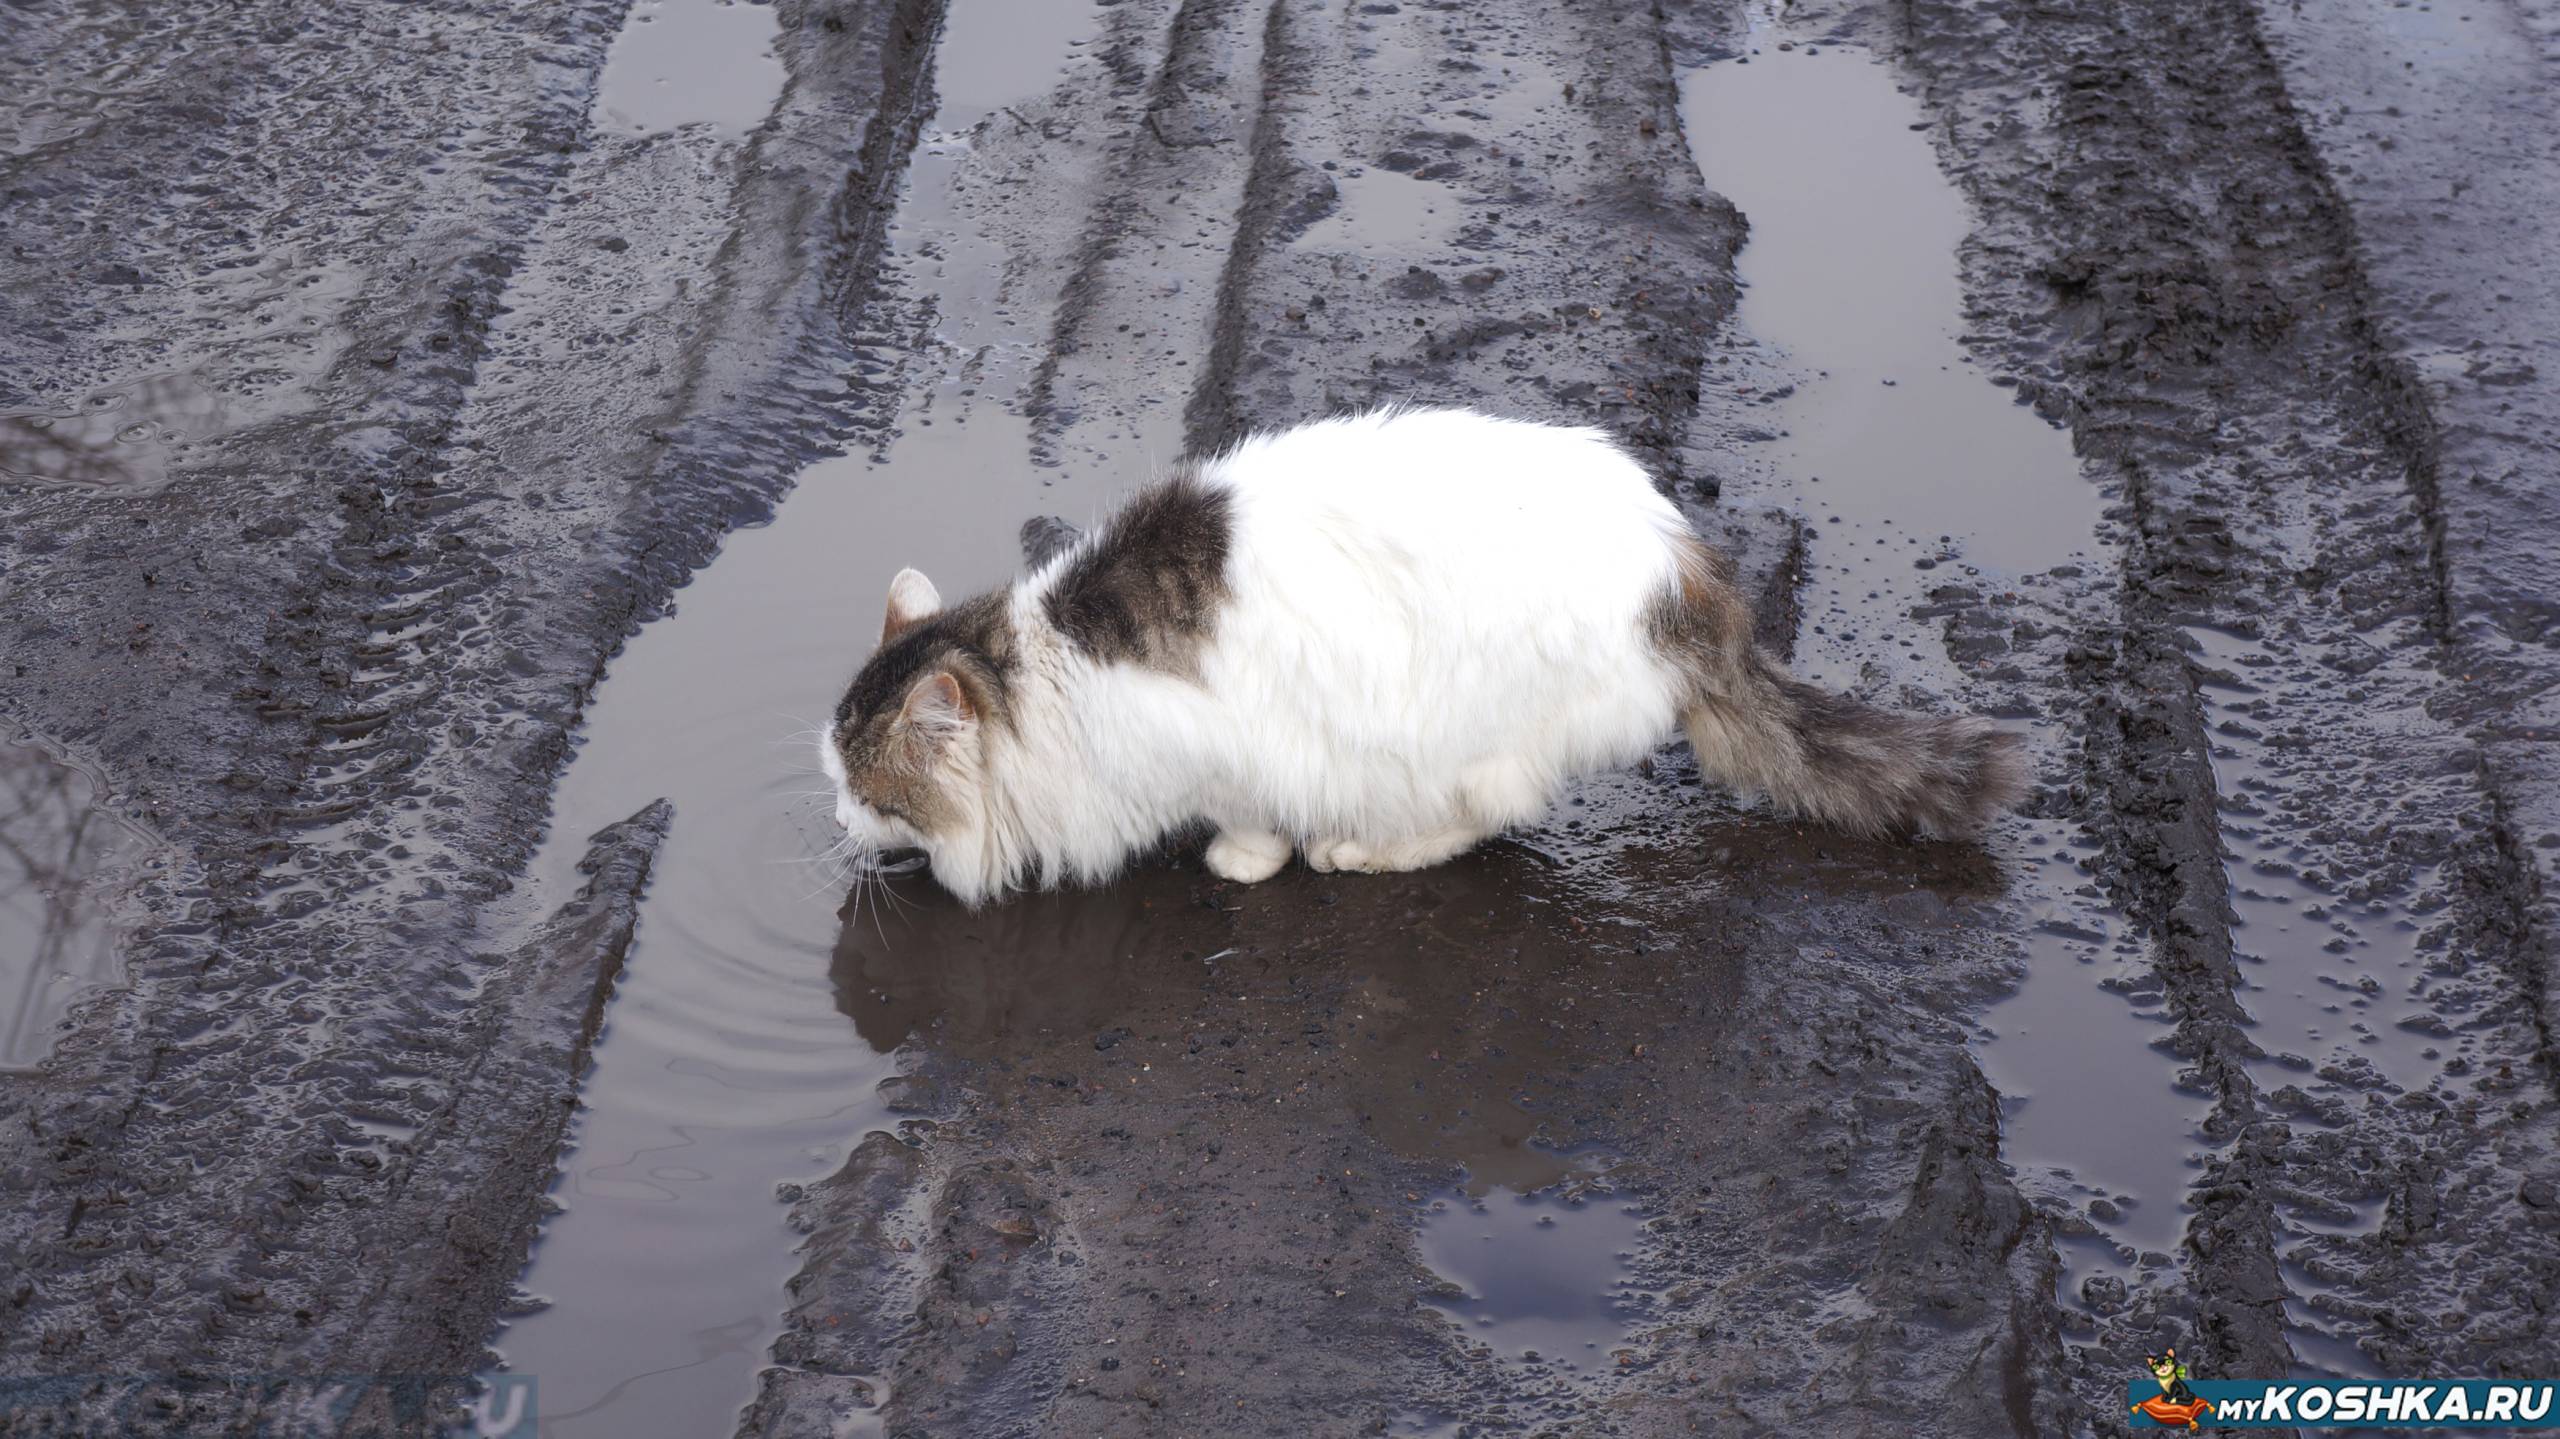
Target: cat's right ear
[912, 601]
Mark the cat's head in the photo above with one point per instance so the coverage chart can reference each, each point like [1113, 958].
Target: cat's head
[907, 747]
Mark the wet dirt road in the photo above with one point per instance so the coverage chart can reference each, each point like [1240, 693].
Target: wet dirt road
[2167, 379]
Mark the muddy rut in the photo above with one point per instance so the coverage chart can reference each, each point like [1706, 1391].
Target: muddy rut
[368, 378]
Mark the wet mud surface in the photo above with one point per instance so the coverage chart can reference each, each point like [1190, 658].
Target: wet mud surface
[410, 916]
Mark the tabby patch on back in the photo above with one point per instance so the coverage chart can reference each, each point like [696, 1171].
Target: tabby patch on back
[1371, 641]
[1149, 588]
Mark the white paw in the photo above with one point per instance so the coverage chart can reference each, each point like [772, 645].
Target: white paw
[1247, 859]
[1327, 855]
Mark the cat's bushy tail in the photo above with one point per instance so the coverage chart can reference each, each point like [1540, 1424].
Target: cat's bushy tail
[1847, 763]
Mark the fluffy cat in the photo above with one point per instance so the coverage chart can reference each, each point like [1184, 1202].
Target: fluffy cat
[1374, 641]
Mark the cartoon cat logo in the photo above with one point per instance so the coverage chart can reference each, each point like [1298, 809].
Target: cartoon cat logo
[2175, 1405]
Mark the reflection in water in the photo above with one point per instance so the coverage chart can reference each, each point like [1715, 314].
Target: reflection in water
[912, 962]
[63, 861]
[1445, 982]
[1448, 996]
[123, 438]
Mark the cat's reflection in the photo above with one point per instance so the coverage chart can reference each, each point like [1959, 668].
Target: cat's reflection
[1426, 1000]
[1445, 1007]
[913, 962]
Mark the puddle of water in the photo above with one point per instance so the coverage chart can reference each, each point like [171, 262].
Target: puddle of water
[691, 62]
[1447, 1049]
[1917, 469]
[994, 55]
[1912, 464]
[65, 861]
[2089, 1112]
[121, 438]
[1896, 445]
[916, 965]
[1545, 1276]
[725, 1066]
[1384, 212]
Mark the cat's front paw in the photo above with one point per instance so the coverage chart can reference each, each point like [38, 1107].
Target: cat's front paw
[1246, 858]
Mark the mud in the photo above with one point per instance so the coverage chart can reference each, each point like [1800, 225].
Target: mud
[1919, 467]
[472, 359]
[2234, 363]
[335, 659]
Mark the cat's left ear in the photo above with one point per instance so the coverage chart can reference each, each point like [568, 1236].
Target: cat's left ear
[937, 706]
[912, 601]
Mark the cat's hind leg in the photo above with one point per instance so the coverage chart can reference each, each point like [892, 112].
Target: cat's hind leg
[1492, 796]
[1247, 856]
[1499, 793]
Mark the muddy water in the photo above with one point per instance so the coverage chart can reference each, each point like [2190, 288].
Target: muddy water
[726, 1067]
[1442, 1043]
[2079, 1056]
[1912, 465]
[690, 62]
[1539, 1277]
[1916, 468]
[124, 437]
[1386, 212]
[66, 860]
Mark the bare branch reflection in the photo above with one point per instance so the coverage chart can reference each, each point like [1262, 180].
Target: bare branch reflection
[64, 860]
[120, 438]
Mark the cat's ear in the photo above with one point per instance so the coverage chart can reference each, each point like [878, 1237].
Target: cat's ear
[937, 706]
[912, 601]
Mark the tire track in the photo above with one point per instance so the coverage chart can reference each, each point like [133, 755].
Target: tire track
[1170, 212]
[409, 701]
[2220, 354]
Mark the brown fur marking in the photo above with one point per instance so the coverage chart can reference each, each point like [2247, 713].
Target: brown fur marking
[1148, 589]
[888, 763]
